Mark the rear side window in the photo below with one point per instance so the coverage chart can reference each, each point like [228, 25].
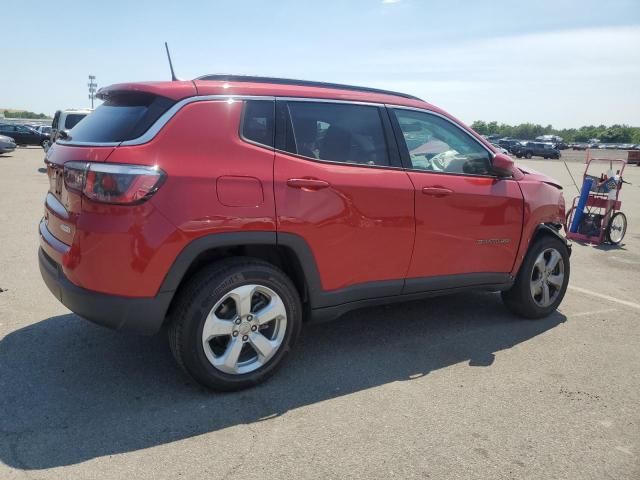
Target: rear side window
[121, 117]
[72, 120]
[258, 121]
[336, 132]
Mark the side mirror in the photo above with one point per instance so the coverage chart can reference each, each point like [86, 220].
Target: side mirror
[502, 166]
[63, 134]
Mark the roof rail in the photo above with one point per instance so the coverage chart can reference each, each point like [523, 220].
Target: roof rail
[305, 83]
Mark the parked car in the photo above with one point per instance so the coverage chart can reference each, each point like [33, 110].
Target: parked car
[7, 144]
[536, 149]
[625, 146]
[23, 135]
[64, 120]
[508, 143]
[46, 129]
[498, 148]
[232, 209]
[579, 146]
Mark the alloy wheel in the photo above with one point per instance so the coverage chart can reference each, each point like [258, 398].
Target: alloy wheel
[244, 329]
[547, 277]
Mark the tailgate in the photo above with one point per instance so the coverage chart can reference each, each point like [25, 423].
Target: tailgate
[62, 206]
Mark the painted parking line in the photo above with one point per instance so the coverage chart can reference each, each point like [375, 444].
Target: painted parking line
[605, 297]
[595, 312]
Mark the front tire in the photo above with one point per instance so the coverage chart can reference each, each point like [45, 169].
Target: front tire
[527, 156]
[234, 323]
[542, 280]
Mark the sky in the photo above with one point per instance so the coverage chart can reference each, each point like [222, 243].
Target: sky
[565, 63]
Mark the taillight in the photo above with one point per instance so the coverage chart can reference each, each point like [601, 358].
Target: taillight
[110, 183]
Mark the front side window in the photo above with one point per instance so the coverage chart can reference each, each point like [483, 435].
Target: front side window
[258, 121]
[435, 144]
[336, 132]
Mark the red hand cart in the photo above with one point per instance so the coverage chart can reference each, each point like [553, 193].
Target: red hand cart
[602, 219]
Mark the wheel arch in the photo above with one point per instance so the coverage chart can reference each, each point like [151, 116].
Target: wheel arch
[288, 252]
[541, 230]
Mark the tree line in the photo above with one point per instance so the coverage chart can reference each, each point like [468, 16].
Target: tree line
[24, 114]
[529, 131]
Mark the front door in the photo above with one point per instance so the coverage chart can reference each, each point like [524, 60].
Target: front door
[468, 222]
[341, 189]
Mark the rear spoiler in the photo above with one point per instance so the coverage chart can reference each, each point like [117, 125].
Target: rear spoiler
[173, 90]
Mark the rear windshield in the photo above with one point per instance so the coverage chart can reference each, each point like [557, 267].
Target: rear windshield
[121, 117]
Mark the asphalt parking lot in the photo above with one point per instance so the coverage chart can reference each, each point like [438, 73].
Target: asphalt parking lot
[446, 388]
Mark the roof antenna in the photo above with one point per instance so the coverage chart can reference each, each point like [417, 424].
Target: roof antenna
[173, 75]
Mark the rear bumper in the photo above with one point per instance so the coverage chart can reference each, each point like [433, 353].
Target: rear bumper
[141, 315]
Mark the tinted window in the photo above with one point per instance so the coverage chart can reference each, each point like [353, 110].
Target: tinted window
[56, 117]
[258, 121]
[7, 128]
[435, 144]
[337, 132]
[123, 116]
[72, 120]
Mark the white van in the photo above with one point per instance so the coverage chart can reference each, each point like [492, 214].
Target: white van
[66, 120]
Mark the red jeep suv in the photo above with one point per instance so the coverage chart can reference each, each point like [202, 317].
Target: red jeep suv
[230, 209]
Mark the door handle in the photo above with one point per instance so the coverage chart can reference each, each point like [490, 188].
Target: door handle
[307, 183]
[437, 191]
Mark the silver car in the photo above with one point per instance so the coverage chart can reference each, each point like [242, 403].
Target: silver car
[7, 144]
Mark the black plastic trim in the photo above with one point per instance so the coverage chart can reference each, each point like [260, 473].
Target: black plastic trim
[145, 315]
[186, 257]
[446, 282]
[320, 298]
[332, 312]
[303, 83]
[553, 231]
[137, 315]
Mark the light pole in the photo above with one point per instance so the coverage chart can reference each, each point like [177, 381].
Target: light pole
[92, 89]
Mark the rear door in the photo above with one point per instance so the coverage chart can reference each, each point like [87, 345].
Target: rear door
[468, 222]
[340, 187]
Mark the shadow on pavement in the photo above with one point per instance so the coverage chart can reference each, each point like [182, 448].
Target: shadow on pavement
[71, 391]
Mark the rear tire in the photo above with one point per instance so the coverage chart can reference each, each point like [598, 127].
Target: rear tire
[539, 288]
[232, 299]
